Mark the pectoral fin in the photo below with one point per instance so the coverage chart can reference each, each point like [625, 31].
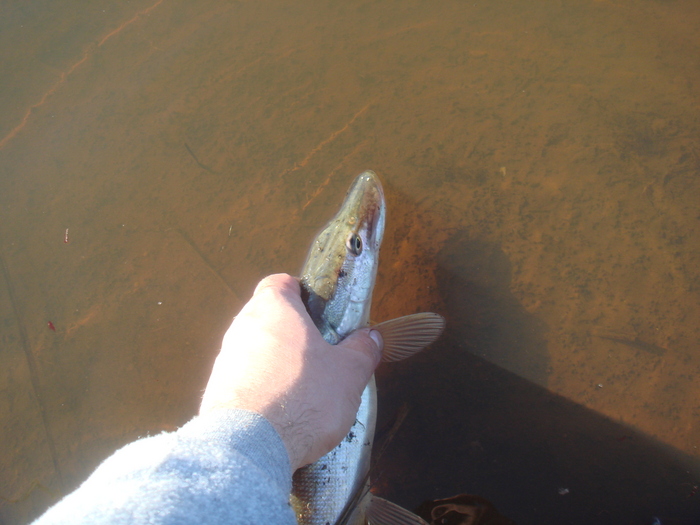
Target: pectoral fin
[383, 512]
[408, 335]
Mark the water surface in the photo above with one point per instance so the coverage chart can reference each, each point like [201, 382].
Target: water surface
[541, 164]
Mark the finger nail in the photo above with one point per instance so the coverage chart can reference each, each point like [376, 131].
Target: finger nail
[377, 338]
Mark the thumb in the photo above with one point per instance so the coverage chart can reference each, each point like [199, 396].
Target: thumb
[366, 342]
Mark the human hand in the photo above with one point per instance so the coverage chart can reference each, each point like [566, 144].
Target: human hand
[273, 361]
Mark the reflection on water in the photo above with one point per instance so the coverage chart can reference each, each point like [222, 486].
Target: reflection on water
[541, 167]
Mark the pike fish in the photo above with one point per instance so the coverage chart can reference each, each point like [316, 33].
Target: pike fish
[337, 282]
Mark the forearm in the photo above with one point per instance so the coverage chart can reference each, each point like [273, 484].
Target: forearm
[228, 466]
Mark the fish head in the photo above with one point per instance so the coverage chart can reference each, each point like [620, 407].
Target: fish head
[340, 270]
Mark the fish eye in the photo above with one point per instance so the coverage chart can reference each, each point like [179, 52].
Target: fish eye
[354, 244]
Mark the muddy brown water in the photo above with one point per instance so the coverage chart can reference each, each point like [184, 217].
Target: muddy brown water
[542, 169]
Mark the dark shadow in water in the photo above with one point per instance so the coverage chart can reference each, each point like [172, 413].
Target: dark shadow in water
[474, 278]
[476, 428]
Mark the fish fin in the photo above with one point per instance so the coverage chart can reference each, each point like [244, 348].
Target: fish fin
[409, 334]
[383, 512]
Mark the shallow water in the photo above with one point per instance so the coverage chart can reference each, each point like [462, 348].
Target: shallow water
[541, 164]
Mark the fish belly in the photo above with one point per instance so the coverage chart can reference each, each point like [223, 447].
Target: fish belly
[323, 489]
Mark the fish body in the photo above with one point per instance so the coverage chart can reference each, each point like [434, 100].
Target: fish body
[337, 282]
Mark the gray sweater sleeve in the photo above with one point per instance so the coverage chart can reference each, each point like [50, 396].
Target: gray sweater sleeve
[226, 467]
